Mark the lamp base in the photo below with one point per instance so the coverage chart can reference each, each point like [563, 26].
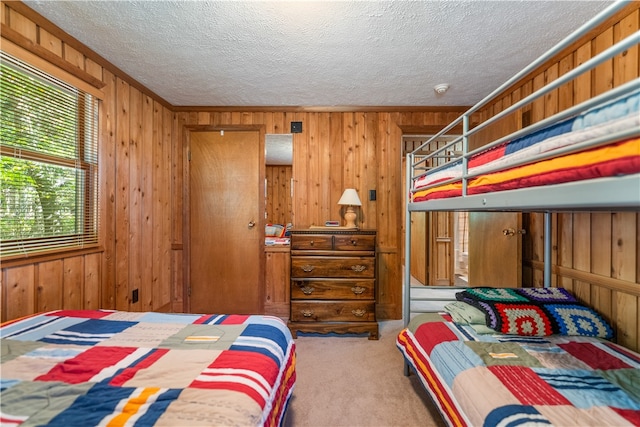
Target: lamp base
[350, 217]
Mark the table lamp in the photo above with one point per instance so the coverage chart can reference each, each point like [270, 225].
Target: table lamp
[350, 199]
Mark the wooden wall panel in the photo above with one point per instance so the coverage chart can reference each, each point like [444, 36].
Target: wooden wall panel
[159, 195]
[107, 159]
[69, 283]
[123, 216]
[278, 267]
[92, 276]
[50, 285]
[25, 26]
[73, 283]
[279, 203]
[146, 204]
[20, 294]
[338, 150]
[132, 173]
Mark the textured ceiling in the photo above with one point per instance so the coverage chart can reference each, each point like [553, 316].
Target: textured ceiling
[319, 53]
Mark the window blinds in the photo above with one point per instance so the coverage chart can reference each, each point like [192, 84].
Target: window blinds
[49, 167]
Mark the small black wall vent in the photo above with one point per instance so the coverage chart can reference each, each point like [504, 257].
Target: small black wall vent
[296, 127]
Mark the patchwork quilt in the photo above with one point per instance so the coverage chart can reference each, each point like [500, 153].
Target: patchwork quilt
[495, 168]
[112, 368]
[495, 379]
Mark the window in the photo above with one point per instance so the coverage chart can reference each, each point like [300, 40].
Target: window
[49, 167]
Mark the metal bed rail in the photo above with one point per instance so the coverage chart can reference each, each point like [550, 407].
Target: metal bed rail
[632, 87]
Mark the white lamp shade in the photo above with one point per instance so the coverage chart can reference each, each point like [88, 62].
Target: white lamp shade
[350, 198]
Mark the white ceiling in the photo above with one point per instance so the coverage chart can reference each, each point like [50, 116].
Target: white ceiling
[319, 53]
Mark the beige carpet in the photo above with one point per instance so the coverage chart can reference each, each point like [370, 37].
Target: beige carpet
[352, 381]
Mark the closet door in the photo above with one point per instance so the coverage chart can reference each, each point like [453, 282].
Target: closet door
[495, 249]
[419, 255]
[225, 222]
[441, 250]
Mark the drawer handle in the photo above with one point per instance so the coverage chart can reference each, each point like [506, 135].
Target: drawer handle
[307, 313]
[354, 242]
[358, 268]
[307, 290]
[359, 312]
[311, 243]
[308, 268]
[358, 290]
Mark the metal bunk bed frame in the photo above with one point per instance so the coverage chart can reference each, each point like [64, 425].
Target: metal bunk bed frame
[616, 193]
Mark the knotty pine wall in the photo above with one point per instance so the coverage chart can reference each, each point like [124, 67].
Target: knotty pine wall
[279, 201]
[595, 255]
[339, 150]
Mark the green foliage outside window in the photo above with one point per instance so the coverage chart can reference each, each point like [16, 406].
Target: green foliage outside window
[48, 169]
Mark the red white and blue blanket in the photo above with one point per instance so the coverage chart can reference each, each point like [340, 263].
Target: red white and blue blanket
[85, 368]
[495, 169]
[495, 380]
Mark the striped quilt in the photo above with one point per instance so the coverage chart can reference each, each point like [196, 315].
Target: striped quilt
[493, 168]
[111, 368]
[500, 380]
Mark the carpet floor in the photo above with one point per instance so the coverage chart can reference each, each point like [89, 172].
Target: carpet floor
[352, 381]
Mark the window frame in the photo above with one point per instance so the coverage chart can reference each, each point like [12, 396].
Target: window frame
[87, 206]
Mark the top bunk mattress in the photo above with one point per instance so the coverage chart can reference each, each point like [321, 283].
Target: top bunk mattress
[509, 165]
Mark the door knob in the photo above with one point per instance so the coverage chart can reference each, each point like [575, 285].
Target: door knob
[512, 232]
[251, 224]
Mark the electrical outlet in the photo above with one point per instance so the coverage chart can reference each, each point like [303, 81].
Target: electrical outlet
[134, 296]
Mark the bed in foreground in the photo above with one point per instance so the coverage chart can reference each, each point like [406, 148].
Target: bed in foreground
[508, 357]
[123, 368]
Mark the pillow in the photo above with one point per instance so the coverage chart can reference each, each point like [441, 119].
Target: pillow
[577, 319]
[547, 295]
[535, 312]
[466, 314]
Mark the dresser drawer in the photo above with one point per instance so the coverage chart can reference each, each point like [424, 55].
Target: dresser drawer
[346, 267]
[354, 242]
[333, 289]
[312, 242]
[332, 311]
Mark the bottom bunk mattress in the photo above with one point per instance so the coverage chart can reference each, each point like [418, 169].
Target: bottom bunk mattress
[71, 368]
[490, 379]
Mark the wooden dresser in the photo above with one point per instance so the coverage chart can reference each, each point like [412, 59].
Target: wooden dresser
[333, 281]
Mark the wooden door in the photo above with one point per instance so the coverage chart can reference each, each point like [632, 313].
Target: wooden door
[419, 247]
[495, 257]
[226, 223]
[441, 257]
